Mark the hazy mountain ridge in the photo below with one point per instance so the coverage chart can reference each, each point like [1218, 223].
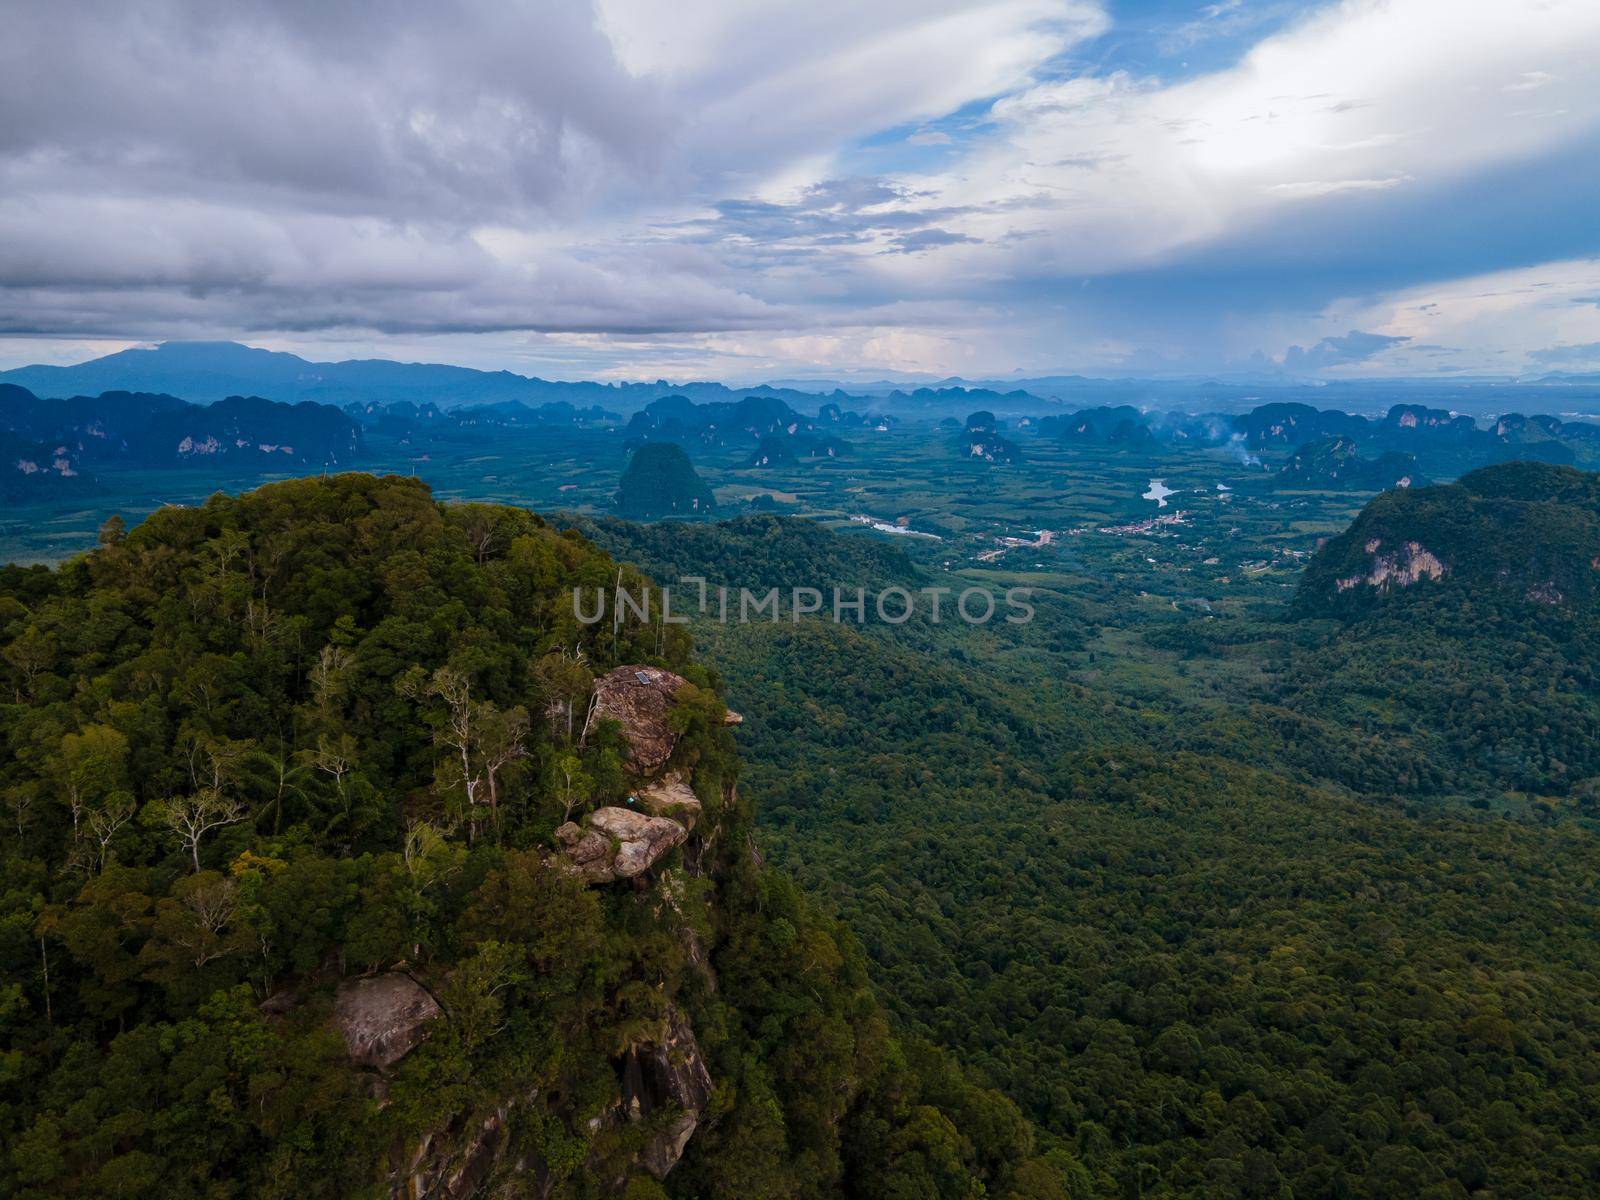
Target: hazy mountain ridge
[206, 371]
[201, 371]
[779, 432]
[137, 430]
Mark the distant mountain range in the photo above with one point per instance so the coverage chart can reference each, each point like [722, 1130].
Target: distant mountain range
[202, 372]
[277, 413]
[1449, 442]
[55, 446]
[784, 434]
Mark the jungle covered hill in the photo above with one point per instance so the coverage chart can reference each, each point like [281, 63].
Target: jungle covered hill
[1465, 632]
[330, 875]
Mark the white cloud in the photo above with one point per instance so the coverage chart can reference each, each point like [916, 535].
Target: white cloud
[1332, 187]
[1490, 323]
[1362, 97]
[688, 176]
[1530, 81]
[171, 167]
[761, 85]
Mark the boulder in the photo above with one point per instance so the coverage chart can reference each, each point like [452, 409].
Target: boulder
[589, 850]
[383, 1017]
[639, 699]
[619, 843]
[671, 797]
[641, 840]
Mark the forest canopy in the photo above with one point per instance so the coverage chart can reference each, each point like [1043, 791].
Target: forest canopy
[324, 732]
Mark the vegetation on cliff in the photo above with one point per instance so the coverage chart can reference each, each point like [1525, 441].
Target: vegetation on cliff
[1337, 463]
[326, 731]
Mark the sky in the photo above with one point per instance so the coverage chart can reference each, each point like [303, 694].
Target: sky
[727, 189]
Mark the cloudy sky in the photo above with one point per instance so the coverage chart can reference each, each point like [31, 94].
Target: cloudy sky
[740, 189]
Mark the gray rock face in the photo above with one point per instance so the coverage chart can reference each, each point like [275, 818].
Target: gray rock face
[641, 839]
[1398, 568]
[472, 1156]
[671, 797]
[639, 699]
[666, 1073]
[383, 1017]
[457, 1162]
[619, 843]
[589, 850]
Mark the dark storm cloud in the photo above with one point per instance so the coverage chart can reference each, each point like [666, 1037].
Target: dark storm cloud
[403, 109]
[178, 167]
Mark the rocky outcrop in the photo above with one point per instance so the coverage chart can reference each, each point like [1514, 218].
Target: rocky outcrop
[639, 699]
[1401, 568]
[670, 797]
[1545, 593]
[383, 1017]
[668, 1073]
[618, 843]
[470, 1156]
[453, 1163]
